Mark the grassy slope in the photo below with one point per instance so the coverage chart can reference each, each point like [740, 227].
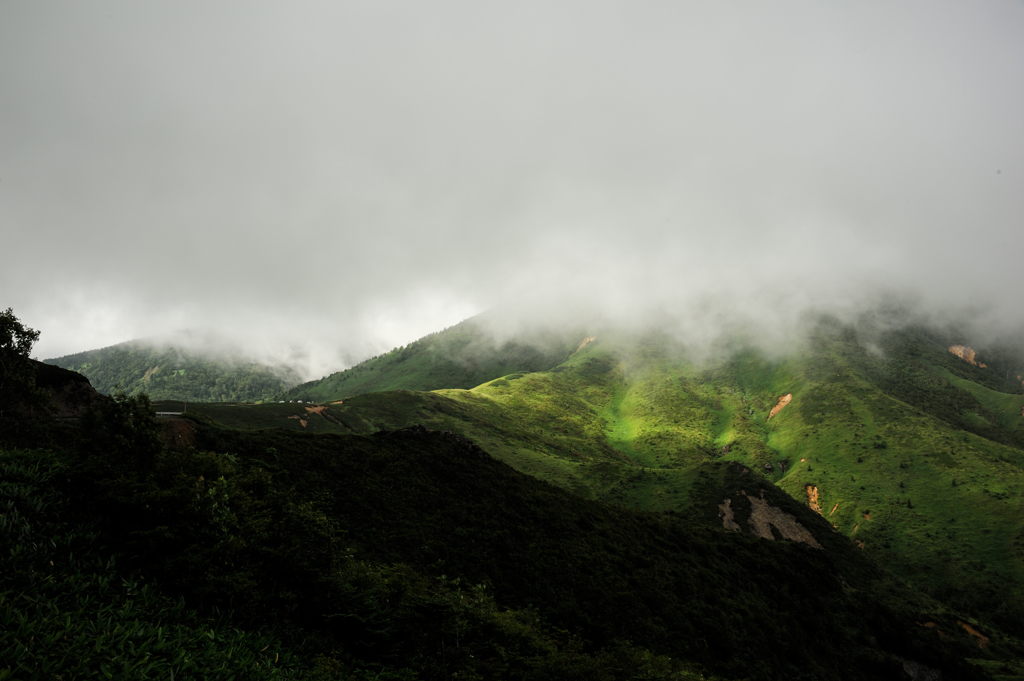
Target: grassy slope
[634, 424]
[1007, 408]
[888, 471]
[462, 356]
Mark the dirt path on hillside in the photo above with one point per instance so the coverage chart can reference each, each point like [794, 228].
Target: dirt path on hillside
[783, 401]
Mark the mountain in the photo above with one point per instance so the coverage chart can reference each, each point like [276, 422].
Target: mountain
[178, 370]
[461, 356]
[845, 509]
[903, 445]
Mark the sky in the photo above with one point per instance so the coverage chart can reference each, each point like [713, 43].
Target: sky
[323, 181]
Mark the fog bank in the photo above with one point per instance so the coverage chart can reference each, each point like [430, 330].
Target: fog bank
[324, 182]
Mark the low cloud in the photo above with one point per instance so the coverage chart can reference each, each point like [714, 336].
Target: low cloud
[321, 183]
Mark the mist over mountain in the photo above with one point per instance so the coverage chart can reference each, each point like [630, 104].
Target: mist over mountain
[329, 182]
[187, 365]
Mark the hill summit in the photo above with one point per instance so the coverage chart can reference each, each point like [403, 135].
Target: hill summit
[183, 367]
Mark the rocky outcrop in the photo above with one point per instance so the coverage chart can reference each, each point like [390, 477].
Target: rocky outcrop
[764, 516]
[725, 514]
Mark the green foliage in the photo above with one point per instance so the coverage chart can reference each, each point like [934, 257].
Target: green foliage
[171, 373]
[67, 611]
[18, 393]
[120, 436]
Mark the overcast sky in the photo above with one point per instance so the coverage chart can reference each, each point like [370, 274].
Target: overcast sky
[340, 178]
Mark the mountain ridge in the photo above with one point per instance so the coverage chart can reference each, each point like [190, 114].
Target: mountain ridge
[166, 370]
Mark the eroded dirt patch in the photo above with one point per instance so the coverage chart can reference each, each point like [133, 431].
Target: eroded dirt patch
[764, 516]
[783, 401]
[933, 625]
[150, 372]
[812, 498]
[982, 638]
[319, 409]
[301, 420]
[963, 352]
[586, 341]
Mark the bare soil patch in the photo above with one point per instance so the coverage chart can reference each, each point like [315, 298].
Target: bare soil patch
[783, 401]
[963, 352]
[586, 341]
[982, 638]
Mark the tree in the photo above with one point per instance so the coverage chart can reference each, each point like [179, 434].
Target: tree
[120, 436]
[17, 373]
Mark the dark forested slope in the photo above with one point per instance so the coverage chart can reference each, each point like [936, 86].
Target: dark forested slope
[742, 606]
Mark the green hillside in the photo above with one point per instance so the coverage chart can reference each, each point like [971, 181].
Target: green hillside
[435, 561]
[462, 356]
[169, 372]
[909, 452]
[699, 525]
